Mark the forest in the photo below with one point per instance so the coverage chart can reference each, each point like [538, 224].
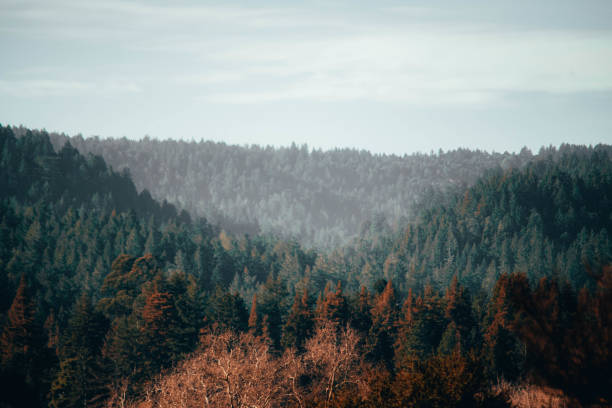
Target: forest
[321, 198]
[454, 279]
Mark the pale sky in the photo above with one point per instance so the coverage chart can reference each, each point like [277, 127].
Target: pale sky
[386, 76]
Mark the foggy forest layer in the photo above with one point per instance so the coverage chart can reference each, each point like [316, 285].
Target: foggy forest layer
[160, 273]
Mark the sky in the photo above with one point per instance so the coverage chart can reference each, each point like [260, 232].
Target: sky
[386, 76]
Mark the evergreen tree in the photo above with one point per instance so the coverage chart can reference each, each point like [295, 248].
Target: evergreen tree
[273, 308]
[81, 379]
[161, 332]
[333, 307]
[230, 311]
[502, 347]
[381, 336]
[254, 323]
[300, 323]
[428, 324]
[25, 357]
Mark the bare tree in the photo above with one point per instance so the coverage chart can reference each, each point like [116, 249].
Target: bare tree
[231, 370]
[238, 371]
[333, 360]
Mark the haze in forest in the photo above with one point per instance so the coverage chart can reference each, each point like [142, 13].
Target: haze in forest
[496, 295]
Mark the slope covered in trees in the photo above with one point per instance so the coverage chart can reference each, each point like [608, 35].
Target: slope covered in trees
[104, 290]
[552, 217]
[319, 197]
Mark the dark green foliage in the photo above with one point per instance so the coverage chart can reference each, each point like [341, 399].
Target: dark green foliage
[25, 358]
[380, 339]
[125, 285]
[441, 381]
[82, 379]
[427, 326]
[551, 216]
[300, 323]
[229, 311]
[504, 353]
[272, 308]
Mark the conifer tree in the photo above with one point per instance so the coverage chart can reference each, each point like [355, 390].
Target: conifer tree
[300, 323]
[381, 336]
[230, 311]
[24, 355]
[428, 324]
[502, 347]
[273, 308]
[160, 329]
[361, 318]
[254, 323]
[333, 307]
[82, 378]
[458, 312]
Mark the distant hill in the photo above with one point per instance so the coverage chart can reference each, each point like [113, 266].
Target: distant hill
[322, 198]
[553, 217]
[33, 171]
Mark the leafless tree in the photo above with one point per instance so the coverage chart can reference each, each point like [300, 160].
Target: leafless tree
[238, 371]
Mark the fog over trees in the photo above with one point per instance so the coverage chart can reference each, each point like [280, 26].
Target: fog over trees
[499, 284]
[321, 198]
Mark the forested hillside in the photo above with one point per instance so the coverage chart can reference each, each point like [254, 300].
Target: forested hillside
[319, 197]
[111, 299]
[552, 217]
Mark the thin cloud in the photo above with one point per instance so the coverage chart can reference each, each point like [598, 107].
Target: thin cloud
[242, 54]
[53, 87]
[419, 67]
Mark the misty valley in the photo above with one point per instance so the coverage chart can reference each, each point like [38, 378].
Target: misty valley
[167, 273]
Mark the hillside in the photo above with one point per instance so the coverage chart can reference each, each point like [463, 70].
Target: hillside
[321, 198]
[109, 297]
[553, 217]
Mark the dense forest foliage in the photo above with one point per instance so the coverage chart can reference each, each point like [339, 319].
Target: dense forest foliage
[319, 197]
[111, 299]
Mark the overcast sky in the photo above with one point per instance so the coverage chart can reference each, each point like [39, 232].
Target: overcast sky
[386, 76]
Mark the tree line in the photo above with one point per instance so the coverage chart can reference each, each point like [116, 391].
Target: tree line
[321, 198]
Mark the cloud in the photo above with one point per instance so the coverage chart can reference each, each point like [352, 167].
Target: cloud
[53, 87]
[243, 54]
[422, 66]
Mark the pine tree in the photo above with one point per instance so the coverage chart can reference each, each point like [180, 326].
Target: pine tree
[333, 307]
[254, 323]
[230, 311]
[81, 379]
[21, 332]
[273, 308]
[361, 318]
[459, 313]
[381, 336]
[427, 326]
[300, 323]
[23, 347]
[502, 347]
[160, 329]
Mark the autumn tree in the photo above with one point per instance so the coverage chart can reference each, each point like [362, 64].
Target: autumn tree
[334, 365]
[231, 370]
